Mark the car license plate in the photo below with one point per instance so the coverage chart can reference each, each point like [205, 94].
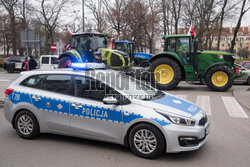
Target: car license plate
[18, 65]
[207, 130]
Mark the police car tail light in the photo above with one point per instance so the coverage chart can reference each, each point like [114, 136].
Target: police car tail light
[8, 91]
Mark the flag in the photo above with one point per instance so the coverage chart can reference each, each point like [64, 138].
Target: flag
[69, 31]
[191, 31]
[68, 47]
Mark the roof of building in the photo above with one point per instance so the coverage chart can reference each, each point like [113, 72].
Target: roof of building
[226, 31]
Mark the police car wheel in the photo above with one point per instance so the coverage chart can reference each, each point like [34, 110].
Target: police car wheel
[27, 125]
[146, 141]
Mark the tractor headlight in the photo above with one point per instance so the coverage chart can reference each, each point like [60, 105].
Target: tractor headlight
[176, 119]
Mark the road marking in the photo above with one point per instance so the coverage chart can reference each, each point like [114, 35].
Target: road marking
[4, 80]
[204, 103]
[233, 107]
[182, 96]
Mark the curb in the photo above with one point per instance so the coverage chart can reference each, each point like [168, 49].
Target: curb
[236, 94]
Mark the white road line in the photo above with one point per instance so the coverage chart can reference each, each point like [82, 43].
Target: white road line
[182, 96]
[4, 80]
[233, 107]
[204, 103]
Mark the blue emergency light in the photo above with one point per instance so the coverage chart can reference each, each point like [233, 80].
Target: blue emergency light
[88, 66]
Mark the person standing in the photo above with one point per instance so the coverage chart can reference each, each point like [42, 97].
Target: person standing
[32, 63]
[25, 64]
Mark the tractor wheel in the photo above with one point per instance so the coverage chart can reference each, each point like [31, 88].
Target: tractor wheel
[219, 78]
[202, 80]
[165, 74]
[65, 62]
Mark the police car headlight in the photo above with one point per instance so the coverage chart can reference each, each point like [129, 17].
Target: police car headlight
[179, 120]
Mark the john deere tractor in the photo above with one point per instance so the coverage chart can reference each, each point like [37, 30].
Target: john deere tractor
[180, 60]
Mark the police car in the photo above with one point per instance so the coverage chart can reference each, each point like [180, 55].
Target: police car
[106, 105]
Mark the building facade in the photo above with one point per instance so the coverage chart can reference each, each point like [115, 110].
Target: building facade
[242, 40]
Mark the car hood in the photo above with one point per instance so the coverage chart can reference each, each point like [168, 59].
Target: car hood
[174, 105]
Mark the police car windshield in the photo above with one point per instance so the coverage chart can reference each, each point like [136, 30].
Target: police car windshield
[132, 87]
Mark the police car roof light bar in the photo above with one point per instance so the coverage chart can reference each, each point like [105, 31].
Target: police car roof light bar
[88, 66]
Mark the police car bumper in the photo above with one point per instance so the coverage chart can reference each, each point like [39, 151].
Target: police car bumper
[8, 108]
[184, 138]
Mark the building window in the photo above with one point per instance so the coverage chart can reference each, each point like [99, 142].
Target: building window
[248, 38]
[241, 45]
[216, 39]
[223, 39]
[229, 45]
[239, 33]
[222, 45]
[229, 39]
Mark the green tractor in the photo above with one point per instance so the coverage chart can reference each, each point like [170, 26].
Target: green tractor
[180, 60]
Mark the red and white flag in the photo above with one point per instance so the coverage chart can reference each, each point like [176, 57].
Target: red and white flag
[68, 47]
[191, 31]
[69, 31]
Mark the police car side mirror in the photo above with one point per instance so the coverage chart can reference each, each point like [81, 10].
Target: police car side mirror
[110, 100]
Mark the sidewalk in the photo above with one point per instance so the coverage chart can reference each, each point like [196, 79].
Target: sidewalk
[3, 86]
[242, 95]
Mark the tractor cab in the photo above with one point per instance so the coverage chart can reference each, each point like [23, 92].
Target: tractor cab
[125, 46]
[88, 43]
[139, 58]
[182, 45]
[83, 47]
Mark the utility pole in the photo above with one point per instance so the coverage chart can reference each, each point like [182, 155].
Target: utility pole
[82, 15]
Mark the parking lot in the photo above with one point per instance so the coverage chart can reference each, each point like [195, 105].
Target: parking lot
[228, 143]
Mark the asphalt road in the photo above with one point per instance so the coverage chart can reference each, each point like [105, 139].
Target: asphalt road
[228, 143]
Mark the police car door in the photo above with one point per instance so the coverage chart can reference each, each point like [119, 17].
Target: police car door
[90, 117]
[52, 101]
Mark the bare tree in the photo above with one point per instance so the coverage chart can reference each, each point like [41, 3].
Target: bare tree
[134, 22]
[244, 9]
[175, 7]
[226, 8]
[97, 9]
[151, 24]
[165, 17]
[5, 34]
[10, 6]
[221, 22]
[115, 13]
[48, 14]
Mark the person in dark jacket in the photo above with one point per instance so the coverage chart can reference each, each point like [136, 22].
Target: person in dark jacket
[32, 63]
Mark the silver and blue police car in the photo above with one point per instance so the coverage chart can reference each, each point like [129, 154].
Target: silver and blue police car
[104, 105]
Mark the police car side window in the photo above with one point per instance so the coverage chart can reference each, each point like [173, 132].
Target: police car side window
[89, 88]
[58, 83]
[86, 87]
[33, 81]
